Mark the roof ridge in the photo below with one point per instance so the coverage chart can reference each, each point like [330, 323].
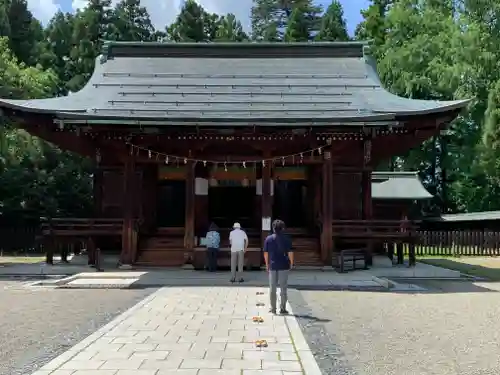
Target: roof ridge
[112, 49]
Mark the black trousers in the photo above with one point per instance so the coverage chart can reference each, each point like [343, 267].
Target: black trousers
[212, 259]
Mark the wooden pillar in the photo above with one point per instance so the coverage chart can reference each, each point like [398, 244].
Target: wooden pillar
[201, 212]
[266, 201]
[189, 207]
[127, 253]
[366, 189]
[327, 210]
[309, 202]
[97, 190]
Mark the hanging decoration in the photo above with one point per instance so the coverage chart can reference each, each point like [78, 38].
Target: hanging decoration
[177, 159]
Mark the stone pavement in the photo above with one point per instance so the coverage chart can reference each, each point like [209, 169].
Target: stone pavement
[192, 331]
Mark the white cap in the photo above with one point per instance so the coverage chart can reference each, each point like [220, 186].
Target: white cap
[236, 226]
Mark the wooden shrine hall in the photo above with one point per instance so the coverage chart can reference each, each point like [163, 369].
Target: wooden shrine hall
[183, 135]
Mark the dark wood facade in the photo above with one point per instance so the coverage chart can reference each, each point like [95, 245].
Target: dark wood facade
[263, 142]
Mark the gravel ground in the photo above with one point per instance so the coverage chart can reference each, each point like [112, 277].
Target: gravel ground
[37, 325]
[452, 329]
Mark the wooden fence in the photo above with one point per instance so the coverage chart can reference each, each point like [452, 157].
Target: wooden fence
[20, 240]
[458, 243]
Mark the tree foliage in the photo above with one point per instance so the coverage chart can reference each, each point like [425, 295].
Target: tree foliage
[425, 49]
[333, 26]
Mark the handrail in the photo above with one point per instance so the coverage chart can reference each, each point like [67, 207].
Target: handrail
[374, 228]
[82, 226]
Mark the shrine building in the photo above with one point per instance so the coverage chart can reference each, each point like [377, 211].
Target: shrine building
[185, 134]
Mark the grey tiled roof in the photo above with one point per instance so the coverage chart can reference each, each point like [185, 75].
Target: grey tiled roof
[398, 185]
[469, 216]
[236, 82]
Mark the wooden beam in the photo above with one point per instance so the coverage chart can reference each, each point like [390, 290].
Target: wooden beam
[266, 198]
[190, 208]
[327, 210]
[127, 253]
[366, 191]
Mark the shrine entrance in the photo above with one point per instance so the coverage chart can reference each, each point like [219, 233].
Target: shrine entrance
[170, 209]
[289, 203]
[230, 202]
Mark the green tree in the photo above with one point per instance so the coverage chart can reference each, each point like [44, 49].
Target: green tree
[193, 24]
[297, 30]
[23, 30]
[270, 18]
[57, 48]
[91, 27]
[374, 27]
[333, 26]
[35, 178]
[131, 22]
[230, 30]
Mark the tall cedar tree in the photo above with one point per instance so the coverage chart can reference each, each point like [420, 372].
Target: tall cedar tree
[193, 24]
[296, 30]
[270, 18]
[131, 22]
[92, 26]
[23, 30]
[230, 30]
[333, 25]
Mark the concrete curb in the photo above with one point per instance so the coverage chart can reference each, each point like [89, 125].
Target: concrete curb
[306, 357]
[68, 355]
[382, 281]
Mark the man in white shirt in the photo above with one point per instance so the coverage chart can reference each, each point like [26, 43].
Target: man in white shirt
[239, 243]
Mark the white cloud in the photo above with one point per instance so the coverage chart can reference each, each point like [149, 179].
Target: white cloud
[43, 10]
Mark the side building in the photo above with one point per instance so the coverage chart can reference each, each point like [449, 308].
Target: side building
[187, 134]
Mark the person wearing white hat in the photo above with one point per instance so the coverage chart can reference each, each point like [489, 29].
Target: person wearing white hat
[239, 243]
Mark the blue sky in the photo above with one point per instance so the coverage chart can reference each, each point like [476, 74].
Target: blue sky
[164, 11]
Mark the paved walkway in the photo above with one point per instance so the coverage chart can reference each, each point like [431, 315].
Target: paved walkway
[192, 331]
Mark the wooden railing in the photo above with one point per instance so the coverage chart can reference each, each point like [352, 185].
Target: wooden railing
[374, 230]
[22, 239]
[79, 227]
[363, 236]
[64, 233]
[458, 243]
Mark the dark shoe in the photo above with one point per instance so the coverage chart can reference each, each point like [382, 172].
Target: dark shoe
[283, 312]
[272, 311]
[232, 280]
[241, 280]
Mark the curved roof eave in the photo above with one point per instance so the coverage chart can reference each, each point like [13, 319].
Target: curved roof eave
[372, 101]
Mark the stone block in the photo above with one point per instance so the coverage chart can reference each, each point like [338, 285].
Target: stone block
[155, 364]
[106, 356]
[139, 347]
[260, 355]
[156, 354]
[209, 346]
[242, 364]
[223, 354]
[219, 372]
[201, 364]
[82, 365]
[288, 356]
[281, 365]
[121, 364]
[261, 372]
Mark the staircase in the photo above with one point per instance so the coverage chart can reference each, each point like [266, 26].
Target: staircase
[305, 246]
[306, 252]
[163, 249]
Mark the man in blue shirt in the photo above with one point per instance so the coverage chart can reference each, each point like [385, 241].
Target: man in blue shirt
[213, 244]
[278, 256]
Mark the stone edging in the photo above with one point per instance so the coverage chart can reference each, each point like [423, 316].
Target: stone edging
[306, 357]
